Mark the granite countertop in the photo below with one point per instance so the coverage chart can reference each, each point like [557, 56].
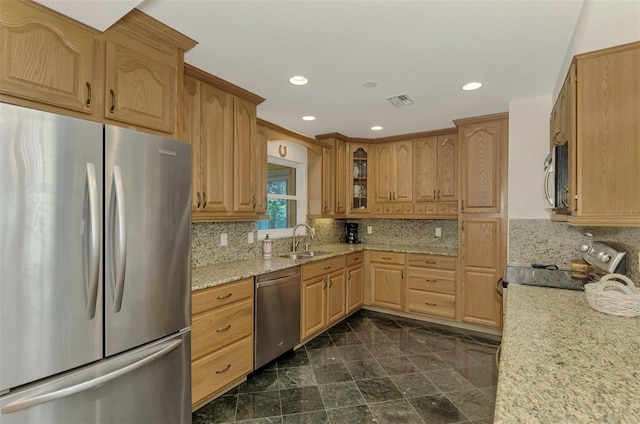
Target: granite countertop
[563, 362]
[226, 272]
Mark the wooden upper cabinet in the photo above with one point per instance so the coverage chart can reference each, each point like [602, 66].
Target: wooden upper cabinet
[448, 172]
[140, 87]
[328, 182]
[191, 127]
[229, 155]
[341, 176]
[245, 139]
[216, 150]
[260, 163]
[481, 157]
[45, 58]
[394, 171]
[608, 138]
[426, 168]
[359, 191]
[436, 168]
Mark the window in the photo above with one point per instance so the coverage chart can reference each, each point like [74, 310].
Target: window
[286, 197]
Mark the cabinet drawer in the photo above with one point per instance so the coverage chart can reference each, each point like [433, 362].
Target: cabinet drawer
[447, 208]
[356, 258]
[439, 281]
[323, 267]
[220, 327]
[222, 295]
[424, 302]
[407, 209]
[213, 372]
[378, 209]
[420, 208]
[432, 208]
[432, 261]
[387, 257]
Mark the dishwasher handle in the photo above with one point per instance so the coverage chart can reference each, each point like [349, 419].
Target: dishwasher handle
[295, 277]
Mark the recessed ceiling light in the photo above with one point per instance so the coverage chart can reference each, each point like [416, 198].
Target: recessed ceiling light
[472, 86]
[298, 80]
[369, 84]
[309, 118]
[376, 128]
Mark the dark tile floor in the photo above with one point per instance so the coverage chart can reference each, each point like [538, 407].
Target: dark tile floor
[371, 368]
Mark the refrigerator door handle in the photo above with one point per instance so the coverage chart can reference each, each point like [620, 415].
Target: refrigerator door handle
[65, 390]
[91, 200]
[119, 265]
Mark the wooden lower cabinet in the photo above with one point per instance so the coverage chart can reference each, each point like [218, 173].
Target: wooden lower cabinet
[322, 295]
[387, 279]
[355, 281]
[221, 338]
[431, 287]
[482, 245]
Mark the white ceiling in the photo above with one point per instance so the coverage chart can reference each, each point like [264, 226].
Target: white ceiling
[426, 49]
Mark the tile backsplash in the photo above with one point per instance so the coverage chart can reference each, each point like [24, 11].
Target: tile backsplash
[543, 241]
[206, 248]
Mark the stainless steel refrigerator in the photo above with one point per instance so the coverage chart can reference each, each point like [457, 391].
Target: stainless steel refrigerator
[95, 296]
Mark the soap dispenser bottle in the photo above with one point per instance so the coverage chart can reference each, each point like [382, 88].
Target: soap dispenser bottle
[266, 247]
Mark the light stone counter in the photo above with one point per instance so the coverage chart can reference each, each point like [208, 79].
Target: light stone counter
[563, 362]
[226, 272]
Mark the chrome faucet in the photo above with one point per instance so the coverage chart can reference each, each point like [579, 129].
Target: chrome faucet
[294, 243]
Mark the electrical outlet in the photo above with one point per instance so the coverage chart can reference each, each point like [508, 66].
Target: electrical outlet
[369, 229]
[250, 238]
[438, 232]
[223, 239]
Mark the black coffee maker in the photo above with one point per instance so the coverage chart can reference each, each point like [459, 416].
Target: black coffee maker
[351, 233]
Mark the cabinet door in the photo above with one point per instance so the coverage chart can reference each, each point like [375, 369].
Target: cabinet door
[341, 176]
[313, 306]
[355, 288]
[608, 168]
[216, 149]
[481, 172]
[244, 148]
[44, 58]
[384, 172]
[140, 87]
[426, 165]
[482, 245]
[403, 171]
[359, 176]
[328, 182]
[448, 168]
[191, 134]
[261, 170]
[336, 302]
[387, 285]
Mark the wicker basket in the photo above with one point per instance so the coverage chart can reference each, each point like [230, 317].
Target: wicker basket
[614, 294]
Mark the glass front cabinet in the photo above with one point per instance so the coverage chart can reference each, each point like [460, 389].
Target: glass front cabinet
[359, 172]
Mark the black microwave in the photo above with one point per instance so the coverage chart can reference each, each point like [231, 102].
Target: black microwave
[556, 178]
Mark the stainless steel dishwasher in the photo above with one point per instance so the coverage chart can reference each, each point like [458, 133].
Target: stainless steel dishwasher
[277, 314]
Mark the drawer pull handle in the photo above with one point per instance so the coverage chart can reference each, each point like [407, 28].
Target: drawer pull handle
[349, 275]
[222, 330]
[430, 281]
[387, 258]
[226, 296]
[430, 304]
[356, 259]
[327, 267]
[224, 370]
[430, 262]
[88, 102]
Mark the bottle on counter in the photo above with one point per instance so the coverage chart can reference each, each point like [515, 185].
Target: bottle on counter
[266, 247]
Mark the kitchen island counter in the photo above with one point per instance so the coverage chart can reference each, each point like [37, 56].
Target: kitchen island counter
[226, 272]
[563, 362]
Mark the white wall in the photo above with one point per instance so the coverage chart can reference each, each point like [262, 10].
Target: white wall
[528, 147]
[601, 24]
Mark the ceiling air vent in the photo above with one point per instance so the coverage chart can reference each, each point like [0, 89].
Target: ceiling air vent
[400, 100]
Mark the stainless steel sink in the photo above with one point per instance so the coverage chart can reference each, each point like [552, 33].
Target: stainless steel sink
[314, 253]
[304, 255]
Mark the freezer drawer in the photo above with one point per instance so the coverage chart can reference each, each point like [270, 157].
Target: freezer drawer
[150, 384]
